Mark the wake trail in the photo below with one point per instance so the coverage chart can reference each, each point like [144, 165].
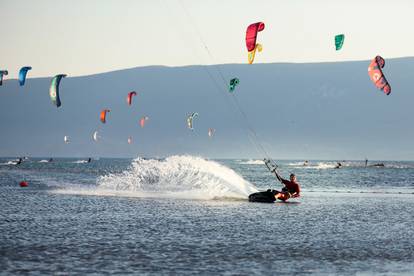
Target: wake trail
[184, 177]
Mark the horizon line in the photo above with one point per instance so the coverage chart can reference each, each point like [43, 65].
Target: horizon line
[200, 65]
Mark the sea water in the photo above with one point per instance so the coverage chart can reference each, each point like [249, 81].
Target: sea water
[189, 215]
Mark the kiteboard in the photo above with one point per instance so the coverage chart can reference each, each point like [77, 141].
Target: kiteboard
[268, 196]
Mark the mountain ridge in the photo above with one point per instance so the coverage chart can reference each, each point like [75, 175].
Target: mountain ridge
[326, 110]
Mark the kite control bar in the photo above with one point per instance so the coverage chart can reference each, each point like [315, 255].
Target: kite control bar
[272, 168]
[270, 165]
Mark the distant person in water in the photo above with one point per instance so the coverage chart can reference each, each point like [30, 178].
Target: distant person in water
[306, 163]
[366, 162]
[19, 161]
[50, 160]
[338, 165]
[291, 188]
[89, 160]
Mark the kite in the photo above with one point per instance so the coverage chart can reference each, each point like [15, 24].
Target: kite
[3, 73]
[143, 120]
[95, 136]
[54, 89]
[22, 74]
[103, 115]
[129, 97]
[233, 83]
[251, 36]
[339, 41]
[190, 119]
[376, 75]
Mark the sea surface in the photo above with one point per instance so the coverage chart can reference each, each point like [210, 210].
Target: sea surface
[185, 215]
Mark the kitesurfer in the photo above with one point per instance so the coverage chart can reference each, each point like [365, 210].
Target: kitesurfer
[18, 162]
[306, 163]
[291, 189]
[338, 165]
[50, 160]
[89, 160]
[366, 162]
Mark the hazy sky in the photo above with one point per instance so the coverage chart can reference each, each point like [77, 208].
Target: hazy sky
[87, 37]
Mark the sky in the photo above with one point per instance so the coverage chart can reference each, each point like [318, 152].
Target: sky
[87, 37]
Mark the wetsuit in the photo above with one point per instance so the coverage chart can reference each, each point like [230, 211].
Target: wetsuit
[291, 187]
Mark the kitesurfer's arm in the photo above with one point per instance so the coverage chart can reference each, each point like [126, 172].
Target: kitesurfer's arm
[278, 177]
[284, 181]
[273, 169]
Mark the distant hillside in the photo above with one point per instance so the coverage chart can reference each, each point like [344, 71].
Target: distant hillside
[316, 110]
